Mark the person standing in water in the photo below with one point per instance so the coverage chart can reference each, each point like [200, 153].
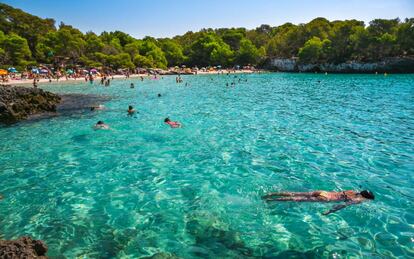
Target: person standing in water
[35, 83]
[90, 78]
[349, 197]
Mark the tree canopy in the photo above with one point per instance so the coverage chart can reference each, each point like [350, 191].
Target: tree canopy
[26, 40]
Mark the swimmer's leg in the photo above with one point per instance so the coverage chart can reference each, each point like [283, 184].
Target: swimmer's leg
[296, 199]
[290, 194]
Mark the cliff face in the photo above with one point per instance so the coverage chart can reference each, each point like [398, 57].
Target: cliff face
[17, 103]
[390, 65]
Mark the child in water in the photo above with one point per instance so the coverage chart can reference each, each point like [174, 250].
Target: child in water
[349, 197]
[173, 124]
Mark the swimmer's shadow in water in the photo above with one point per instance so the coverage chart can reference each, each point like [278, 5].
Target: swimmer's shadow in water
[72, 105]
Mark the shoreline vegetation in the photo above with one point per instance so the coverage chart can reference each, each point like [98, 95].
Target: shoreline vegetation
[31, 46]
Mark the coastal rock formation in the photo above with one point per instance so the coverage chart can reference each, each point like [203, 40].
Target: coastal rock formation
[24, 247]
[17, 103]
[390, 65]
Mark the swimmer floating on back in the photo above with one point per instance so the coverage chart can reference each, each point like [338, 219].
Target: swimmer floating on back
[349, 197]
[173, 124]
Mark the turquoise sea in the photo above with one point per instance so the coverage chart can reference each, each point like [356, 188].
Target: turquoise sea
[143, 188]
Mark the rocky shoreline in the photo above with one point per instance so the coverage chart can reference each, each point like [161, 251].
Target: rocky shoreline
[20, 103]
[388, 65]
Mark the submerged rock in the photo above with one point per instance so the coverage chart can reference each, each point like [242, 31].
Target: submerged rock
[162, 255]
[18, 103]
[24, 247]
[216, 236]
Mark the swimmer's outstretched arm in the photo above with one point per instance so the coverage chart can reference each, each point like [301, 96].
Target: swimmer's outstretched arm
[339, 207]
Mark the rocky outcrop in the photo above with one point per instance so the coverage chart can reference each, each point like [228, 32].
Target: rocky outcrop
[389, 65]
[17, 103]
[24, 247]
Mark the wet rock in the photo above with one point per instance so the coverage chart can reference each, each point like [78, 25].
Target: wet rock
[161, 255]
[24, 247]
[17, 103]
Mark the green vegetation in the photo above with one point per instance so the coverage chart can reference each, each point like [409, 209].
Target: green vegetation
[27, 40]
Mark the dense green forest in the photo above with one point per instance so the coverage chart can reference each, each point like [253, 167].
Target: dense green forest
[27, 40]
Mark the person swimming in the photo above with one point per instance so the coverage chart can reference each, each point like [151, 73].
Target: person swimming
[159, 95]
[100, 107]
[131, 110]
[101, 125]
[349, 197]
[173, 124]
[132, 85]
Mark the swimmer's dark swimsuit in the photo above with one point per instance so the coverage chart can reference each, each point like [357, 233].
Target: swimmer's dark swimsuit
[345, 197]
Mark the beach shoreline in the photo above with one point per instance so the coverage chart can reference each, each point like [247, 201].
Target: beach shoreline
[45, 81]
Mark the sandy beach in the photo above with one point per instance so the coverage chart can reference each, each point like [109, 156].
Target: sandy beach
[63, 80]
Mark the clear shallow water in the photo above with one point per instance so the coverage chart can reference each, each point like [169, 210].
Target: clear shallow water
[143, 187]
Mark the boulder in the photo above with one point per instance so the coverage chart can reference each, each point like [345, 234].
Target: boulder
[24, 247]
[17, 103]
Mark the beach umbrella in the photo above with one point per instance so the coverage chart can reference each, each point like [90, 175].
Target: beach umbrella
[12, 70]
[44, 71]
[93, 70]
[69, 71]
[3, 72]
[35, 70]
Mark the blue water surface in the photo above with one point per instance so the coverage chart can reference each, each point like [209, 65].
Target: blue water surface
[142, 187]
